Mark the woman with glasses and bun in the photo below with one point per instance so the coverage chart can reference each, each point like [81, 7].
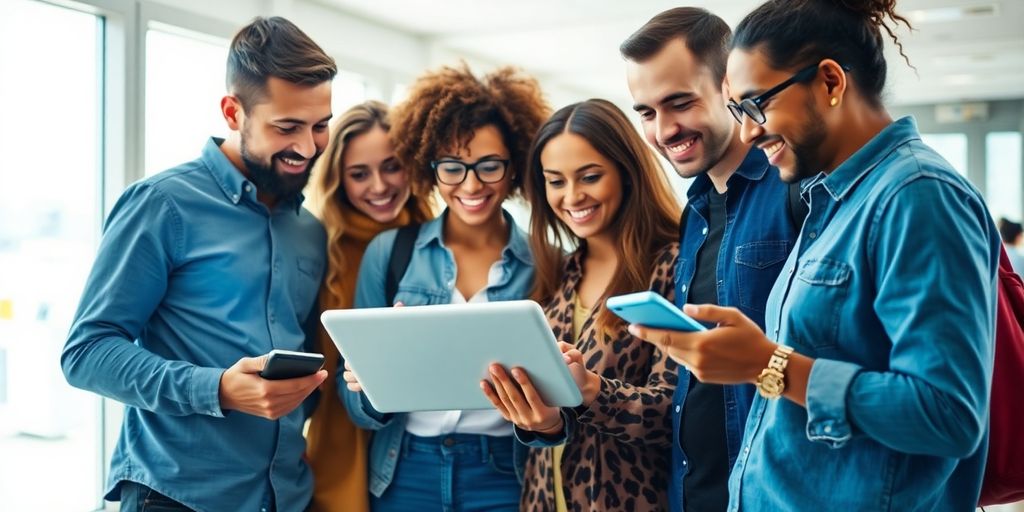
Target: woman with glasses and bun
[597, 187]
[359, 189]
[874, 371]
[467, 139]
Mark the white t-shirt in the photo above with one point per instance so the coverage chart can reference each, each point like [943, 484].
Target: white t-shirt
[484, 422]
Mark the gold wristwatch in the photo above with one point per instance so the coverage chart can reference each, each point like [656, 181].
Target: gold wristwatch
[771, 383]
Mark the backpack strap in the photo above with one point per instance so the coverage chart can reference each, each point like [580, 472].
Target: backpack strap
[798, 209]
[401, 254]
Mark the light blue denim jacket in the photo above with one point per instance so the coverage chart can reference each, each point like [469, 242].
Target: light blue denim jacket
[892, 290]
[429, 279]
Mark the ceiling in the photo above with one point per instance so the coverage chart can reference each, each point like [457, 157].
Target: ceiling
[962, 49]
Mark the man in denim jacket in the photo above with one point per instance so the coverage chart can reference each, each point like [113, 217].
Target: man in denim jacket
[736, 233]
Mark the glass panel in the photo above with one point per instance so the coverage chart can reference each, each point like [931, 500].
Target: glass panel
[952, 147]
[1003, 175]
[49, 224]
[184, 85]
[348, 90]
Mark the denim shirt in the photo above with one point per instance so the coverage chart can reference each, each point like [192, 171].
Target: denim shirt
[758, 237]
[429, 279]
[892, 291]
[194, 273]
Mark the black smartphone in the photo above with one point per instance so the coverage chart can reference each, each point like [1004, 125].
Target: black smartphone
[286, 364]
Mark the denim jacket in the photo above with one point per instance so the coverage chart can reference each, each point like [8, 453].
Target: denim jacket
[429, 279]
[758, 236]
[892, 291]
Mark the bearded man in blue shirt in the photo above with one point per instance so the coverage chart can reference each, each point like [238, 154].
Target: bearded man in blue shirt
[201, 269]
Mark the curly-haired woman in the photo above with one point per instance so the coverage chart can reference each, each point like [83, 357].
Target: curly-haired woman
[467, 139]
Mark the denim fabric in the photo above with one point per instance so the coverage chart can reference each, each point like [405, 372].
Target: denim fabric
[892, 291]
[758, 237]
[194, 273]
[453, 473]
[429, 279]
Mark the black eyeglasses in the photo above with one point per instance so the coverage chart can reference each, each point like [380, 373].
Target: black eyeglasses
[454, 172]
[752, 106]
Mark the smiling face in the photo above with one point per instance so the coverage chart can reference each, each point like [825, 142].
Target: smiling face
[794, 133]
[681, 108]
[583, 188]
[472, 202]
[282, 136]
[374, 181]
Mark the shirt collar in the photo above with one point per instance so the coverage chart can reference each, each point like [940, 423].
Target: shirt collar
[433, 230]
[845, 178]
[231, 181]
[753, 168]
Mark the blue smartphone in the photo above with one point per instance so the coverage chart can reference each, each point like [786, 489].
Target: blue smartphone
[651, 310]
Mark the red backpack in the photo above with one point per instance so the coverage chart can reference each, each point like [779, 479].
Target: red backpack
[1004, 471]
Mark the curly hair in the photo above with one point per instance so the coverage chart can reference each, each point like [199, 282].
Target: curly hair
[446, 107]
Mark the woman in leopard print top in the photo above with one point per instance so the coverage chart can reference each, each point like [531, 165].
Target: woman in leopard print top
[594, 184]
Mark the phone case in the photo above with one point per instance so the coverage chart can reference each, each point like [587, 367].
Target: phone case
[651, 310]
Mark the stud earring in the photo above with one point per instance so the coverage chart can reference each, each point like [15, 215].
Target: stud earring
[834, 101]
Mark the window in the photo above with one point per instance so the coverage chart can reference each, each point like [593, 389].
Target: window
[49, 225]
[348, 90]
[1003, 175]
[184, 85]
[952, 147]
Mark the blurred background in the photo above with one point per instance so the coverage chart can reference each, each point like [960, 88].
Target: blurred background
[100, 93]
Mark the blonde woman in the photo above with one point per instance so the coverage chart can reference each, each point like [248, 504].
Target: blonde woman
[359, 190]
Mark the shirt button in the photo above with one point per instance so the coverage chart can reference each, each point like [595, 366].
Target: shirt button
[704, 231]
[746, 451]
[682, 288]
[677, 410]
[392, 454]
[234, 197]
[449, 442]
[812, 234]
[246, 187]
[828, 429]
[684, 462]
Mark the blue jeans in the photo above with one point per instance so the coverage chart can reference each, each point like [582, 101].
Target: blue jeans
[453, 473]
[136, 497]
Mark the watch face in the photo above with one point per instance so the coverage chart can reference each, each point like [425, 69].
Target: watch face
[771, 384]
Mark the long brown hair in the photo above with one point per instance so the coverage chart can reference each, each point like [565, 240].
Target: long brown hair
[647, 220]
[331, 204]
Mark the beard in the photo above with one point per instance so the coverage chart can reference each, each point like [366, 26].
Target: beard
[807, 147]
[280, 185]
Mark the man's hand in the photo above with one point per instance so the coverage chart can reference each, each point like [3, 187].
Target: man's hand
[735, 352]
[242, 389]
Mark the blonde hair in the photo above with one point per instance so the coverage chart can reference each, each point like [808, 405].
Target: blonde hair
[327, 195]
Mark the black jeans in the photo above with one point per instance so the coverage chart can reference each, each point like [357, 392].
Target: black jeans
[136, 497]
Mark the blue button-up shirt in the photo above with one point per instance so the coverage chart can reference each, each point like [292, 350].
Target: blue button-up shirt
[429, 279]
[892, 291]
[758, 236]
[193, 274]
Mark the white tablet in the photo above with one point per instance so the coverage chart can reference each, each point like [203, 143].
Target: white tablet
[432, 358]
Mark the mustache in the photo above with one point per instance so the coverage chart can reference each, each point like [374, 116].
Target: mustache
[291, 155]
[679, 137]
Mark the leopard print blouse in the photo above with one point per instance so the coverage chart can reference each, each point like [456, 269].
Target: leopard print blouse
[618, 456]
